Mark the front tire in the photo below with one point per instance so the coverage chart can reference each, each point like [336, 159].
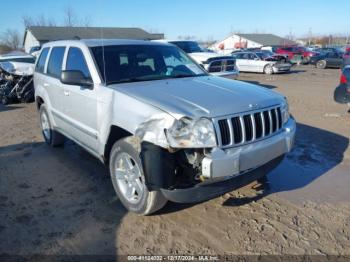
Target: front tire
[128, 179]
[322, 64]
[268, 70]
[5, 100]
[52, 137]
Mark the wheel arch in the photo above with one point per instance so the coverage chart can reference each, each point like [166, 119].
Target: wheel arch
[115, 133]
[39, 101]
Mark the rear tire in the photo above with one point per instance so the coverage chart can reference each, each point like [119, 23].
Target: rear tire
[52, 137]
[128, 179]
[322, 64]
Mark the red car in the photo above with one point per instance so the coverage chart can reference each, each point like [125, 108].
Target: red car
[291, 51]
[288, 50]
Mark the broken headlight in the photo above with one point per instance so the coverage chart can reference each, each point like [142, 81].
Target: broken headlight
[285, 111]
[188, 133]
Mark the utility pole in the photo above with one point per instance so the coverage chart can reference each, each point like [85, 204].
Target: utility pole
[310, 35]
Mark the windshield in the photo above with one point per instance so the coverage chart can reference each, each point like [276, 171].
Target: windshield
[263, 55]
[188, 46]
[267, 52]
[132, 63]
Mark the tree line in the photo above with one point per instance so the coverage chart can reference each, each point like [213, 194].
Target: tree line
[11, 39]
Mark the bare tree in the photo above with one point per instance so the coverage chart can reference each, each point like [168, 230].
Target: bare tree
[70, 18]
[11, 38]
[86, 21]
[41, 20]
[186, 37]
[27, 21]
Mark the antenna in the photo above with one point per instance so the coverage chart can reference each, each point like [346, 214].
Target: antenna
[103, 56]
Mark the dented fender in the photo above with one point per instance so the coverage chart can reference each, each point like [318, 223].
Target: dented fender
[153, 129]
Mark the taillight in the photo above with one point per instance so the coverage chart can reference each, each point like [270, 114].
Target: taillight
[343, 79]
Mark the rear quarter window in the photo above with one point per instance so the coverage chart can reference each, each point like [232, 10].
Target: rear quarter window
[54, 67]
[40, 66]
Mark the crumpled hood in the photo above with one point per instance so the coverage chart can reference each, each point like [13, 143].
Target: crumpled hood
[18, 68]
[206, 96]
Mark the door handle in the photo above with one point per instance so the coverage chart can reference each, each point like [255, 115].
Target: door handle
[66, 93]
[46, 85]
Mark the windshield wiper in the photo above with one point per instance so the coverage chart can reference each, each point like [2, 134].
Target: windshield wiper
[184, 75]
[134, 79]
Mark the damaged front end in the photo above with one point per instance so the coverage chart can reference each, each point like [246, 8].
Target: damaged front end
[172, 150]
[187, 165]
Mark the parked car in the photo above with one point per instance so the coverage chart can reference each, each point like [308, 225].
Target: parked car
[17, 57]
[167, 129]
[260, 62]
[330, 50]
[326, 60]
[16, 82]
[280, 57]
[307, 53]
[299, 54]
[314, 47]
[214, 63]
[35, 50]
[346, 57]
[342, 91]
[291, 51]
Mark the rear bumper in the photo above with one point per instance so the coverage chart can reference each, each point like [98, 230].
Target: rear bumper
[206, 191]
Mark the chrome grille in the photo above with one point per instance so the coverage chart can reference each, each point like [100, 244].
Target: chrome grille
[248, 127]
[222, 65]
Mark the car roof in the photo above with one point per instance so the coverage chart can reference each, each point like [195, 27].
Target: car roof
[244, 52]
[102, 42]
[173, 40]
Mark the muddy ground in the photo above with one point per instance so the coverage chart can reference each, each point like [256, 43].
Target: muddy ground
[61, 201]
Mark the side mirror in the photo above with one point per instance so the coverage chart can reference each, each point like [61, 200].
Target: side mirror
[256, 59]
[76, 78]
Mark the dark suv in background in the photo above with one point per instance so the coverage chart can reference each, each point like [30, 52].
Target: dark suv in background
[342, 92]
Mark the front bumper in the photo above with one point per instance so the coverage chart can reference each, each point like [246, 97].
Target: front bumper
[232, 161]
[229, 169]
[231, 74]
[279, 68]
[205, 191]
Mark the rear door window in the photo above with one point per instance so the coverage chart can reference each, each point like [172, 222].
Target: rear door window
[40, 66]
[54, 68]
[76, 61]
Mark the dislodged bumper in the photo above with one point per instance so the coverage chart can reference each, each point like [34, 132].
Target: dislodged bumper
[232, 161]
[233, 168]
[205, 191]
[278, 68]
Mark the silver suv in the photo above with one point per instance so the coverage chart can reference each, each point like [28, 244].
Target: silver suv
[167, 129]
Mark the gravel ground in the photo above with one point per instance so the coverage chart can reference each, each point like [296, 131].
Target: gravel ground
[61, 201]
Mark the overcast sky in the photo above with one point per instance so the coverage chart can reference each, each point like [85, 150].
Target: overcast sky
[200, 18]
